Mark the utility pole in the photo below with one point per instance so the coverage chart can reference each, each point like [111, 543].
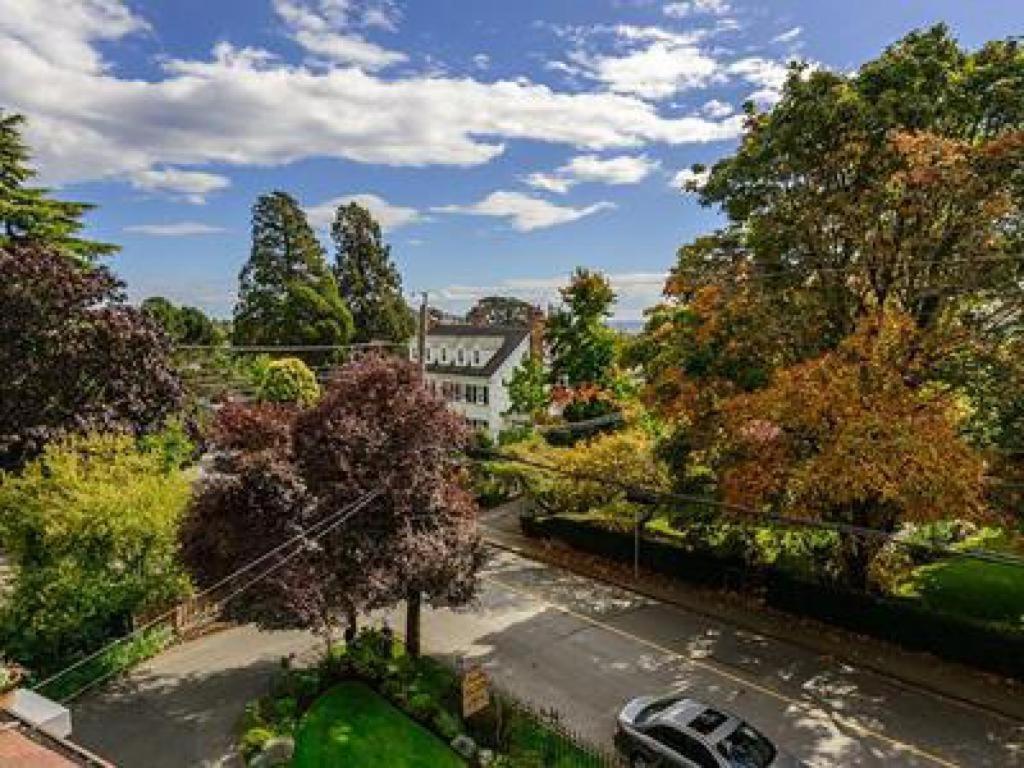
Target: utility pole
[422, 341]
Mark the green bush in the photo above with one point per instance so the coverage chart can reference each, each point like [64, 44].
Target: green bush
[254, 739]
[422, 706]
[289, 380]
[91, 527]
[446, 725]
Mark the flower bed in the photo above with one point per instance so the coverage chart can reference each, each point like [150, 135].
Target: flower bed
[506, 734]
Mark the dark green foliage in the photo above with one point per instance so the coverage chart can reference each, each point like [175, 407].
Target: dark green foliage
[368, 279]
[287, 294]
[75, 358]
[502, 310]
[582, 346]
[185, 325]
[29, 214]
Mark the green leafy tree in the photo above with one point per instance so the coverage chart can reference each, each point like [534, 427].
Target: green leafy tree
[897, 185]
[502, 310]
[287, 294]
[367, 277]
[582, 345]
[184, 325]
[29, 214]
[289, 381]
[529, 388]
[91, 530]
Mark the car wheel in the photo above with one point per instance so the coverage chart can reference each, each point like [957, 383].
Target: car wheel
[638, 761]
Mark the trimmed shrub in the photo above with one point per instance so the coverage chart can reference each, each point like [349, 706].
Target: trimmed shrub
[254, 739]
[289, 380]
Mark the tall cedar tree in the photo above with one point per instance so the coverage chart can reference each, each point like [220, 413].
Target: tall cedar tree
[75, 357]
[367, 277]
[582, 345]
[28, 214]
[287, 294]
[376, 427]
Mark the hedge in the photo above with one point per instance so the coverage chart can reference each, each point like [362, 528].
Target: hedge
[902, 621]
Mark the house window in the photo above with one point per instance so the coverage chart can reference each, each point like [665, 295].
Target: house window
[444, 354]
[483, 396]
[461, 355]
[430, 355]
[476, 357]
[458, 390]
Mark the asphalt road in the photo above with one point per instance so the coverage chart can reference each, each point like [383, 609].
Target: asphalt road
[583, 648]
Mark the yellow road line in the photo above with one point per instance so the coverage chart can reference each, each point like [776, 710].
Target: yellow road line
[847, 723]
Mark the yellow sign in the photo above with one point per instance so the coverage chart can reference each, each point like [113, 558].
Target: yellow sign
[475, 695]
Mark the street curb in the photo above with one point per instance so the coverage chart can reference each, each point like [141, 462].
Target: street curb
[1014, 715]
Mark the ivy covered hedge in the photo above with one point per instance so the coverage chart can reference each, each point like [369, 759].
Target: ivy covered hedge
[900, 620]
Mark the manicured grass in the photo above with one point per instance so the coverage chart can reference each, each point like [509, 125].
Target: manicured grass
[973, 588]
[350, 725]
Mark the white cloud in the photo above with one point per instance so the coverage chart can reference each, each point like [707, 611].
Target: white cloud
[687, 176]
[323, 28]
[635, 291]
[716, 109]
[193, 186]
[550, 182]
[388, 215]
[788, 36]
[765, 73]
[625, 169]
[246, 107]
[681, 10]
[177, 229]
[657, 71]
[482, 61]
[526, 213]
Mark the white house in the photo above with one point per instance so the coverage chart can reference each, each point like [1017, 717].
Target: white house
[468, 365]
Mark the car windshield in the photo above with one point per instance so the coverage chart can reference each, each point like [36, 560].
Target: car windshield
[654, 709]
[746, 748]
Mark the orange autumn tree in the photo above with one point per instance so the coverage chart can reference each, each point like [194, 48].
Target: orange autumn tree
[849, 437]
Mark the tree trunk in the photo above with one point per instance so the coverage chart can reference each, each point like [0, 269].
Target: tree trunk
[413, 604]
[857, 553]
[351, 625]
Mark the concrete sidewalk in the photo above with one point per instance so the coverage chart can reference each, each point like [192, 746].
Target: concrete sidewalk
[922, 671]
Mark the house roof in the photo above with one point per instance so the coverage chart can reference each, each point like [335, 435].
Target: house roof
[22, 744]
[511, 339]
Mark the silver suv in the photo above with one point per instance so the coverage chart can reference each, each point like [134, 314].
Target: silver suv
[674, 731]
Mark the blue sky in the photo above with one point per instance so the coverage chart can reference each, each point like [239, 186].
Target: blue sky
[501, 143]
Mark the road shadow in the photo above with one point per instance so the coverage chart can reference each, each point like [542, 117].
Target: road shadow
[602, 645]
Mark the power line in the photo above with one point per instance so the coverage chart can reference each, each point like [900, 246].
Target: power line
[644, 495]
[268, 348]
[316, 530]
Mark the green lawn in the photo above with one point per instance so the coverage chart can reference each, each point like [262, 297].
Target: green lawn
[978, 590]
[351, 725]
